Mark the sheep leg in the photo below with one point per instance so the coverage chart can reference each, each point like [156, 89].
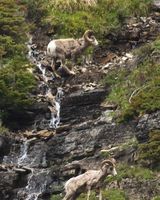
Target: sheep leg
[100, 194]
[54, 70]
[88, 194]
[65, 68]
[68, 197]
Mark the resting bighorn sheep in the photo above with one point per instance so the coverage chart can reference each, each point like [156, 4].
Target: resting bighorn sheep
[61, 49]
[90, 179]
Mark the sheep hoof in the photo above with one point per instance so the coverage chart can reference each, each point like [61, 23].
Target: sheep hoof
[72, 73]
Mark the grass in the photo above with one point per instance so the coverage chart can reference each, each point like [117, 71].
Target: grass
[126, 171]
[136, 91]
[110, 194]
[56, 197]
[71, 18]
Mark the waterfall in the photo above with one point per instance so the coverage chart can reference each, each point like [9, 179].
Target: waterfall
[55, 119]
[27, 153]
[36, 57]
[34, 188]
[23, 152]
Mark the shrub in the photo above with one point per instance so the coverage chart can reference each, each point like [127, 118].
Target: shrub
[15, 85]
[150, 151]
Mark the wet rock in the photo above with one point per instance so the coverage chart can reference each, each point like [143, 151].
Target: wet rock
[7, 184]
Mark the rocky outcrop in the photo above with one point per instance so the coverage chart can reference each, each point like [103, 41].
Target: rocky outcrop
[146, 124]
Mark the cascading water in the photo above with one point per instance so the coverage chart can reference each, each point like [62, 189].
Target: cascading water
[55, 119]
[28, 154]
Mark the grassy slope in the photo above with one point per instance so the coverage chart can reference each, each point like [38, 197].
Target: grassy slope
[137, 91]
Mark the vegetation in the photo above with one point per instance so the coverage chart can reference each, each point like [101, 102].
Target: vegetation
[72, 18]
[126, 171]
[109, 194]
[156, 198]
[149, 152]
[56, 197]
[114, 194]
[136, 91]
[15, 81]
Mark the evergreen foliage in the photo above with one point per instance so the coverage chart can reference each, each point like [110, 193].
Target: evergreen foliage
[15, 81]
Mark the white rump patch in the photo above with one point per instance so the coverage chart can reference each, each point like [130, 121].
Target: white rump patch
[51, 48]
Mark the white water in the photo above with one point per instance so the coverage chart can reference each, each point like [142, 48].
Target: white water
[55, 118]
[34, 189]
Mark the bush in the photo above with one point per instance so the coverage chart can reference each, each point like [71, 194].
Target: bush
[150, 151]
[16, 83]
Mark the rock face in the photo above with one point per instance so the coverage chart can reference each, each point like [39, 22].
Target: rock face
[146, 124]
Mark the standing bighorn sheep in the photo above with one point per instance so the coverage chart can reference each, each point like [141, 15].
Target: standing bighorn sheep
[89, 180]
[61, 49]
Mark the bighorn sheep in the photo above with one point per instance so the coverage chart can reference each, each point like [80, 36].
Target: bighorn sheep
[90, 179]
[61, 49]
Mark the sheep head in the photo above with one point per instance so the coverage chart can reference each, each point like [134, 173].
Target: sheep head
[108, 166]
[90, 38]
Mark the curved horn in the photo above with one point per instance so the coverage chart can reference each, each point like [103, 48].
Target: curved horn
[109, 162]
[87, 35]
